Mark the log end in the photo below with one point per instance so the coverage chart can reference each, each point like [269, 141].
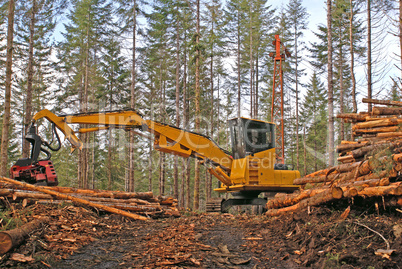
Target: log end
[6, 243]
[337, 192]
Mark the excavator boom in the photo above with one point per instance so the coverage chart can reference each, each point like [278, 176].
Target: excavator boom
[167, 138]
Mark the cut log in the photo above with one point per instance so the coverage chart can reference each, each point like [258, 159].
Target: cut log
[387, 111]
[285, 200]
[377, 130]
[382, 102]
[353, 116]
[392, 134]
[13, 238]
[346, 159]
[320, 198]
[392, 189]
[349, 147]
[377, 123]
[397, 157]
[361, 152]
[337, 192]
[74, 199]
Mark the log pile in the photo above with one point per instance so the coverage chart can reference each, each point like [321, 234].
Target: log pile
[135, 205]
[370, 166]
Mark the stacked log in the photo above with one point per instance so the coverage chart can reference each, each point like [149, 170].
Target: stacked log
[136, 205]
[371, 164]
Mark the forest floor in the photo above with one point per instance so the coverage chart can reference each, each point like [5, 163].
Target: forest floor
[79, 238]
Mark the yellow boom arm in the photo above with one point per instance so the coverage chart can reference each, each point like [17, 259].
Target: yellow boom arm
[167, 138]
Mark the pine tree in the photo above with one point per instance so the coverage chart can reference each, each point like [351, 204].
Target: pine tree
[34, 31]
[128, 11]
[297, 18]
[314, 120]
[7, 97]
[90, 23]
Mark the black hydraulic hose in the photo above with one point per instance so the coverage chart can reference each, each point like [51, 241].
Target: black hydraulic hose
[58, 140]
[48, 155]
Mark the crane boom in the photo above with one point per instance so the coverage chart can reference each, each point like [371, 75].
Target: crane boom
[167, 138]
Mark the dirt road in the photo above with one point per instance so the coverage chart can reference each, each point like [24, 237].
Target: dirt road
[320, 239]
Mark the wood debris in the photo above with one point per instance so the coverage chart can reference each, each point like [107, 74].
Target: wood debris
[370, 166]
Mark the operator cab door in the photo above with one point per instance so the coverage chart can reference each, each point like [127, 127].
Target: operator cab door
[250, 136]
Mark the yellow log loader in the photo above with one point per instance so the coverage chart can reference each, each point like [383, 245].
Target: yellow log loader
[247, 171]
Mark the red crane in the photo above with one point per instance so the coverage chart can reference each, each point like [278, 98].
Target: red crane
[277, 98]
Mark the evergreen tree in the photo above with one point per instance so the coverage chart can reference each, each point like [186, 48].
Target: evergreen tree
[297, 19]
[35, 27]
[5, 135]
[314, 120]
[89, 25]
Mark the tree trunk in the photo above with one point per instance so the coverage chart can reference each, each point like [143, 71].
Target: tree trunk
[297, 103]
[176, 161]
[238, 67]
[369, 63]
[28, 100]
[150, 166]
[109, 160]
[7, 98]
[186, 162]
[352, 58]
[400, 37]
[330, 87]
[252, 113]
[304, 150]
[131, 160]
[197, 109]
[256, 86]
[341, 91]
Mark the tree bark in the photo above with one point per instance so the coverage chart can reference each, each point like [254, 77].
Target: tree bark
[238, 67]
[252, 112]
[341, 92]
[369, 63]
[400, 38]
[7, 97]
[28, 100]
[352, 57]
[330, 87]
[131, 161]
[382, 102]
[176, 161]
[13, 238]
[387, 111]
[197, 109]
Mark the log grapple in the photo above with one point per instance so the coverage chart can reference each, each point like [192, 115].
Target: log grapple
[32, 170]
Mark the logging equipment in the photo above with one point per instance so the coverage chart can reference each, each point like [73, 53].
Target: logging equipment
[250, 169]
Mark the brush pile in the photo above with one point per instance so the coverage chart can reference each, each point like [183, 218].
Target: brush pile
[370, 166]
[141, 204]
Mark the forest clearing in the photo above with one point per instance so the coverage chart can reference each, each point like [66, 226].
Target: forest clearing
[345, 216]
[200, 134]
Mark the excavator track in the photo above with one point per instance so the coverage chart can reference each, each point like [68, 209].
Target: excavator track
[214, 205]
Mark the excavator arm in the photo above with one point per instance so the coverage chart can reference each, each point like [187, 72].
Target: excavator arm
[167, 138]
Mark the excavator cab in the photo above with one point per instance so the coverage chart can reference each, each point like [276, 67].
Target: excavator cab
[250, 136]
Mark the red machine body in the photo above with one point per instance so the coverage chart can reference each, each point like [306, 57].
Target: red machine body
[41, 173]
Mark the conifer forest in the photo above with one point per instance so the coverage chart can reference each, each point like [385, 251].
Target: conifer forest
[201, 134]
[194, 65]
